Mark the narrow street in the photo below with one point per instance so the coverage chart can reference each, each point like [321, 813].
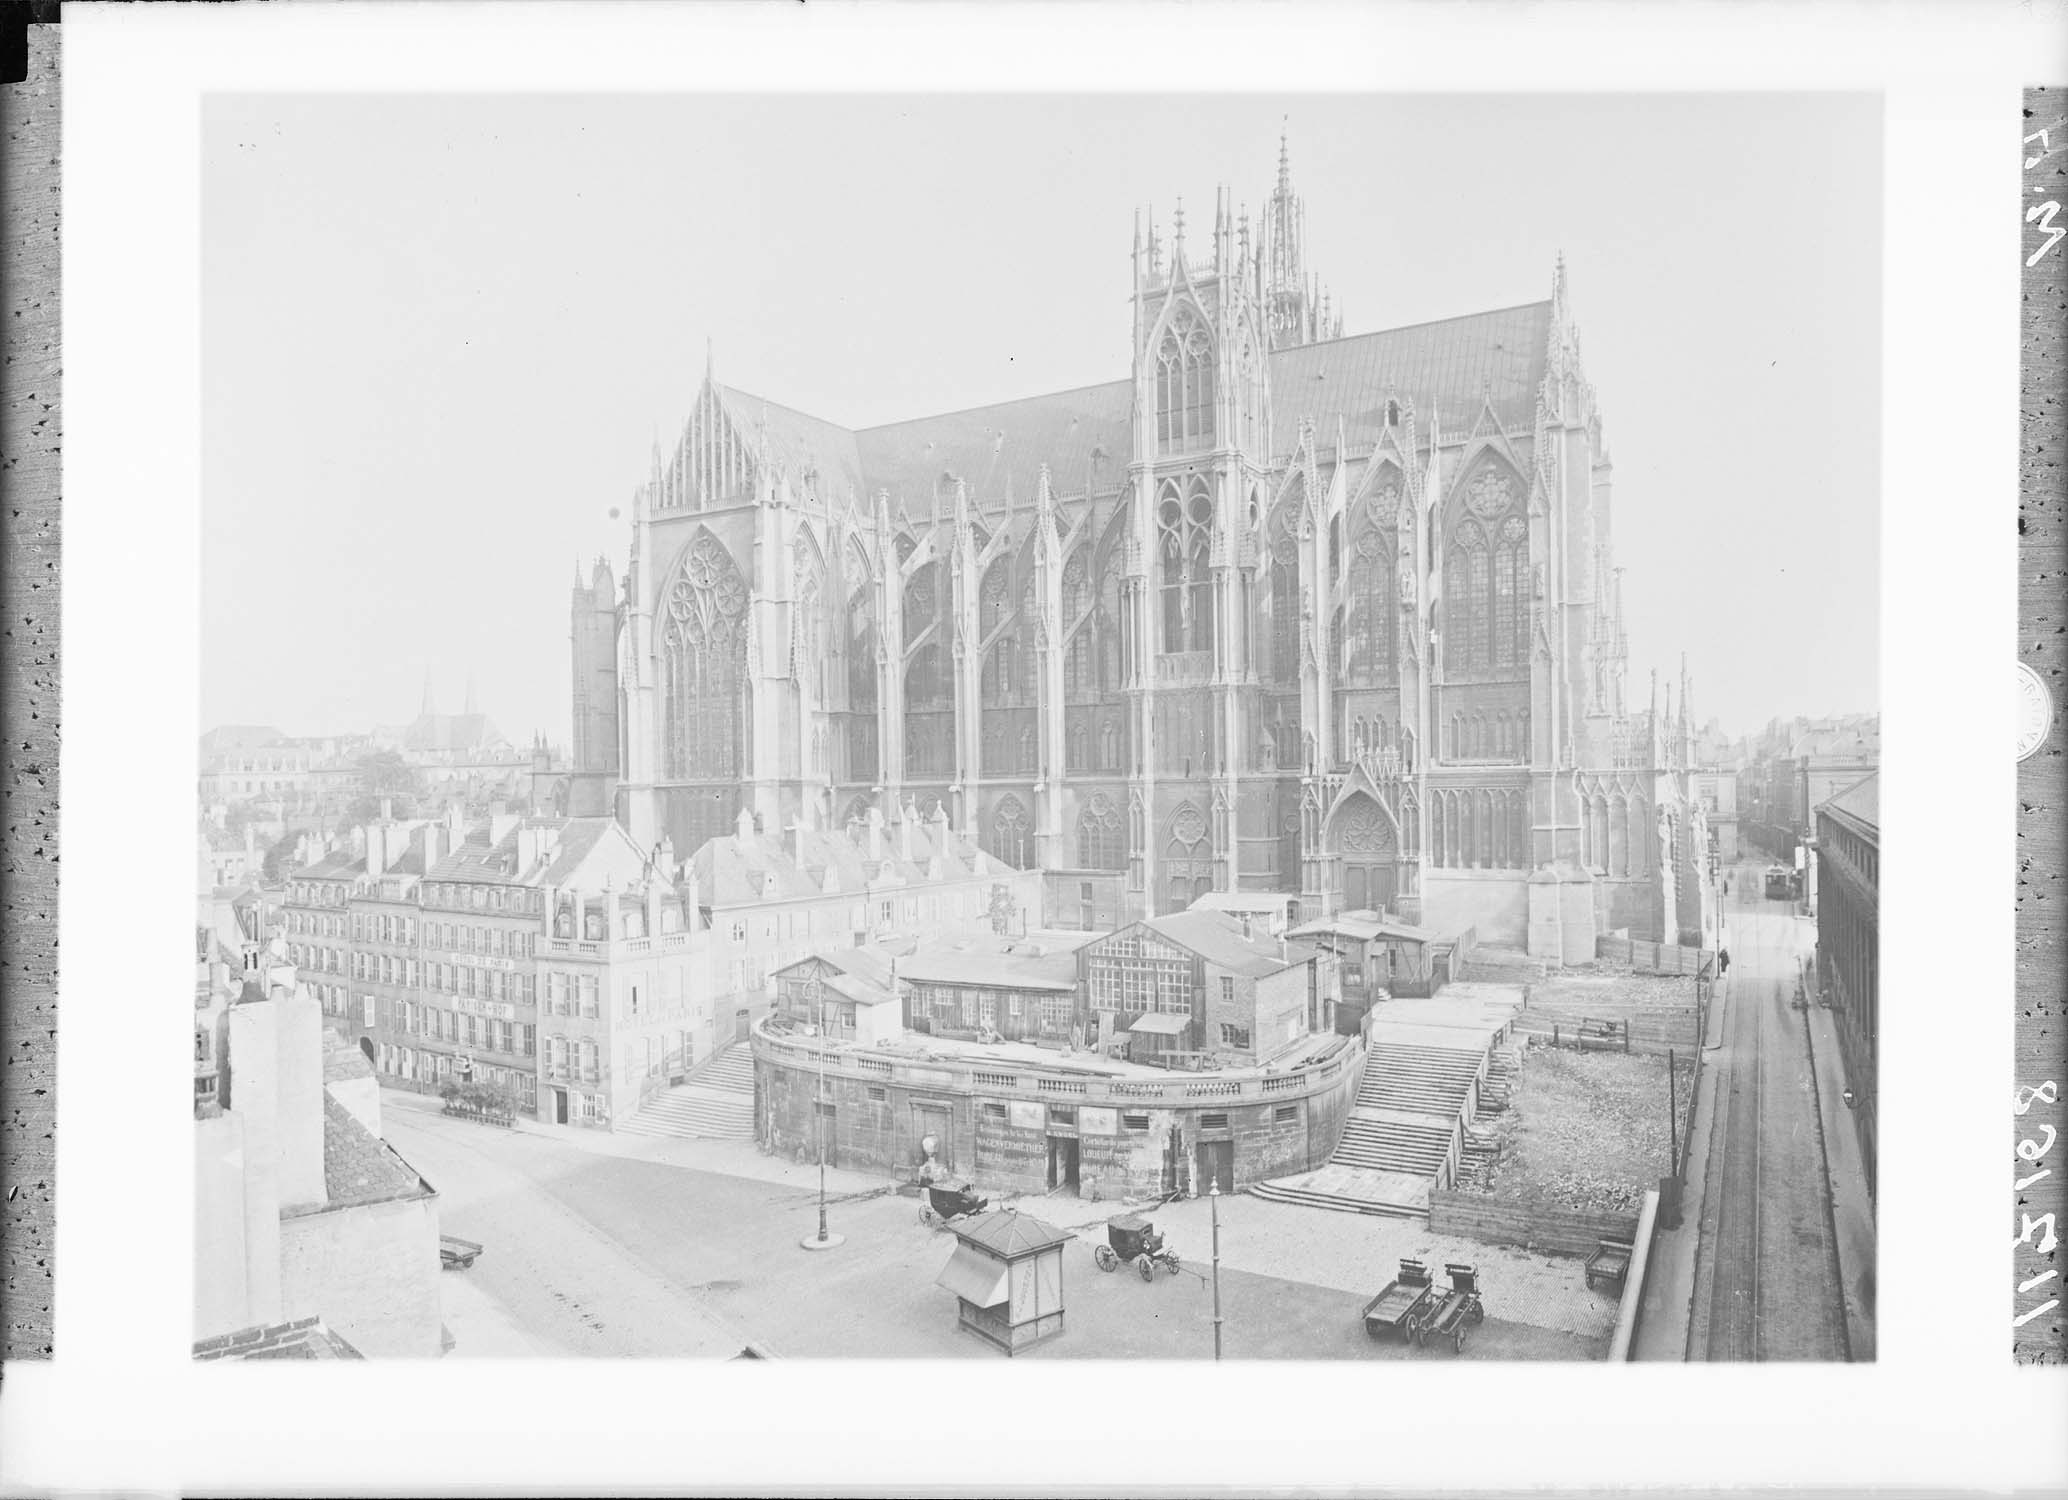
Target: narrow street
[1767, 1285]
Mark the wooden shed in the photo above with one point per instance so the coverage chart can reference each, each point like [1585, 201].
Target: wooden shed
[1007, 1277]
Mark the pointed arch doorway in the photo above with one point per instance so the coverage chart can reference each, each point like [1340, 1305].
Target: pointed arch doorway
[1365, 850]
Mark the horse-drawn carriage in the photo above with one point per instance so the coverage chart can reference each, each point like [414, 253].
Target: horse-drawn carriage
[1132, 1239]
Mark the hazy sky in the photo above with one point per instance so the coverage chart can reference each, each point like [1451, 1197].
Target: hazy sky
[440, 335]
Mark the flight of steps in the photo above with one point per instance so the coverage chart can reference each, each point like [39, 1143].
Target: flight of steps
[1410, 1146]
[1500, 1078]
[1418, 1080]
[1391, 1153]
[717, 1103]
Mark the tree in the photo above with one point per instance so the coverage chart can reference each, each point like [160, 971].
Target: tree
[273, 865]
[385, 775]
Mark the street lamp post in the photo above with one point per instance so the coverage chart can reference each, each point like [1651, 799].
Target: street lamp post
[824, 1240]
[1213, 1195]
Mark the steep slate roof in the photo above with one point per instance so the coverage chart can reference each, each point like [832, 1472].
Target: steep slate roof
[358, 1166]
[1449, 367]
[796, 441]
[1217, 937]
[1000, 449]
[338, 864]
[451, 732]
[1859, 803]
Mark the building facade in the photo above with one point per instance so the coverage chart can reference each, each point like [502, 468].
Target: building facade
[1848, 855]
[302, 1209]
[1278, 610]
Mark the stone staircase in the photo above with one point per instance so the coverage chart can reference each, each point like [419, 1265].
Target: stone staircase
[1394, 1147]
[1420, 1080]
[716, 1104]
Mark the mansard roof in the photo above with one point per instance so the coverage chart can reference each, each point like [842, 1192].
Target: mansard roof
[733, 870]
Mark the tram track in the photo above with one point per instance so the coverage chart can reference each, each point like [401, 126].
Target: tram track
[1772, 1290]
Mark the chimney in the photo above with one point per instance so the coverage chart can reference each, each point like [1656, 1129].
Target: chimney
[745, 825]
[875, 843]
[797, 831]
[905, 822]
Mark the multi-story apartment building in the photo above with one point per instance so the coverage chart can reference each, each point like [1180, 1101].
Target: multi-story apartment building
[317, 916]
[774, 899]
[1849, 942]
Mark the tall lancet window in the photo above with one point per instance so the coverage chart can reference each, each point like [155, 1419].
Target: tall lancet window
[1185, 385]
[1184, 551]
[1486, 579]
[703, 664]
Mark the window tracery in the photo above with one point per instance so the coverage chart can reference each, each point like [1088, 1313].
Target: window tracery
[703, 654]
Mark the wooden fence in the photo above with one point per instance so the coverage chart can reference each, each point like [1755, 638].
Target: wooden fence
[1652, 958]
[1550, 1231]
[1650, 1028]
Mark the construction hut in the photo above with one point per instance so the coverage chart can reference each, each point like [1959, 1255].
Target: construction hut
[1007, 1277]
[1380, 958]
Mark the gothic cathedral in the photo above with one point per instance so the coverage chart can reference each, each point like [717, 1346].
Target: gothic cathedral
[1283, 610]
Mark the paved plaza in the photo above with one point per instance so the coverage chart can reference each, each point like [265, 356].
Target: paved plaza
[600, 1245]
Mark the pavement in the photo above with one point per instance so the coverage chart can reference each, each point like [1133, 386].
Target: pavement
[1667, 1310]
[604, 1245]
[1768, 1280]
[1852, 1209]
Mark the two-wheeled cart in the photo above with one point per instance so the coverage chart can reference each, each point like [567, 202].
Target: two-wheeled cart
[1398, 1309]
[1459, 1310]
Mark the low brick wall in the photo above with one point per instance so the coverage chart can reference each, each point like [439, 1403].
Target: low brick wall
[1549, 1231]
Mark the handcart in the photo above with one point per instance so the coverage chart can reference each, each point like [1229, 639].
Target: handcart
[1459, 1310]
[456, 1254]
[1609, 1264]
[1398, 1309]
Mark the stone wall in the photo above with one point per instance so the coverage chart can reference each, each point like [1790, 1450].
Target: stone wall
[1494, 902]
[994, 1125]
[371, 1272]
